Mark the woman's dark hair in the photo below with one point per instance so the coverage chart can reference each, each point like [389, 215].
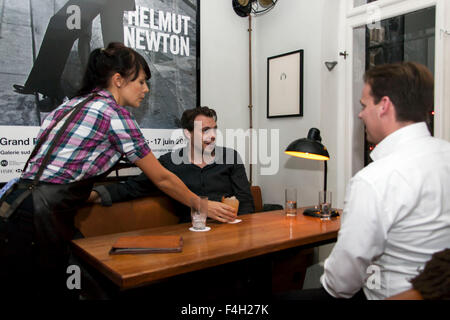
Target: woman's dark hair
[116, 58]
[188, 117]
[409, 85]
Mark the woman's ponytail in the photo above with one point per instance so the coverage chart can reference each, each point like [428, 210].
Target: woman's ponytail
[103, 63]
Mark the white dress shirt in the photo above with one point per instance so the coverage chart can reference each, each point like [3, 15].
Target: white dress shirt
[396, 215]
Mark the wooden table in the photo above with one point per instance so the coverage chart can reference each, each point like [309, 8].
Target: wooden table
[257, 234]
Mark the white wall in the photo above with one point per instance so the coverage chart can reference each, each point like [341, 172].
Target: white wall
[291, 25]
[224, 63]
[311, 26]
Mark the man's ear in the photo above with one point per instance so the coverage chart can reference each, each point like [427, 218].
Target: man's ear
[386, 106]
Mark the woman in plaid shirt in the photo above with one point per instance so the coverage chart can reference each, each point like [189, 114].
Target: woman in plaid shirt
[34, 239]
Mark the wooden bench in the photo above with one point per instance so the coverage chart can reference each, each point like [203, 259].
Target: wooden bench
[95, 219]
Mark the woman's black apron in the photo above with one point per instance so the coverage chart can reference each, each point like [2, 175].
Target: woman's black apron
[36, 226]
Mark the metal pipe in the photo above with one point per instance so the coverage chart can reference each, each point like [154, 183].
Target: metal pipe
[250, 104]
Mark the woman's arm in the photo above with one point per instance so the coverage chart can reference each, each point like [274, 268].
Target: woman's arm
[170, 184]
[166, 180]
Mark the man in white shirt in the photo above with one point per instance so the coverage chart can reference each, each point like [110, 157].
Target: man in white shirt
[397, 209]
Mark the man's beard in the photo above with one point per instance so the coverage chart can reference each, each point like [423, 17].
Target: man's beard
[209, 153]
[206, 155]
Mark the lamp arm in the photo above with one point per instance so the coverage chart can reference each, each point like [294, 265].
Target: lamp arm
[325, 176]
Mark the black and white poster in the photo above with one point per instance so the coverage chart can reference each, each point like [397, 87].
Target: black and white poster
[44, 48]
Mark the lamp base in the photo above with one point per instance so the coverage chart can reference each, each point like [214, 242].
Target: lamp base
[313, 212]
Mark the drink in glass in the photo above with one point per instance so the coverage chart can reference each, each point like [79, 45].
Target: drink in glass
[232, 202]
[290, 201]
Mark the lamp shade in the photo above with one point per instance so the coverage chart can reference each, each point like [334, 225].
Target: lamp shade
[309, 148]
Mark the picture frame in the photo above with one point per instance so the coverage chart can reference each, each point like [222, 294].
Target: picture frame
[285, 85]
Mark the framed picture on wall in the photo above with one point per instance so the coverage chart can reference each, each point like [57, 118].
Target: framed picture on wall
[285, 85]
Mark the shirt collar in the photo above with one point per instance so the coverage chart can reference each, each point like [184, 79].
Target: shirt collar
[105, 93]
[399, 137]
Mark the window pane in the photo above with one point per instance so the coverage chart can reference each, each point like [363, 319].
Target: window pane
[409, 37]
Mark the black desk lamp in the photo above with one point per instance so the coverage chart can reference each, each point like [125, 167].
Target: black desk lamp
[311, 148]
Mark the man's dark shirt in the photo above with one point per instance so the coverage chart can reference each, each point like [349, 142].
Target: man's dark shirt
[220, 178]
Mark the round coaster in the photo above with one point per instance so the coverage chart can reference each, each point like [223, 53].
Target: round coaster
[235, 221]
[200, 230]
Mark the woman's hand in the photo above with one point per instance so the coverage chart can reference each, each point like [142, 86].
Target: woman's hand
[94, 197]
[221, 212]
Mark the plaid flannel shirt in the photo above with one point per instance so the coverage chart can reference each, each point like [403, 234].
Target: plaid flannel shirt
[95, 140]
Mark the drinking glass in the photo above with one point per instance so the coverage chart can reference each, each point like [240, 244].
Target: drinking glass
[325, 204]
[232, 202]
[290, 201]
[199, 214]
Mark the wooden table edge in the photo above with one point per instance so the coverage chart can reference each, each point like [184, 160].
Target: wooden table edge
[115, 277]
[147, 278]
[129, 282]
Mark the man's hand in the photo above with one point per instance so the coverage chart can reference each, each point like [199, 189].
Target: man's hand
[221, 212]
[94, 197]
